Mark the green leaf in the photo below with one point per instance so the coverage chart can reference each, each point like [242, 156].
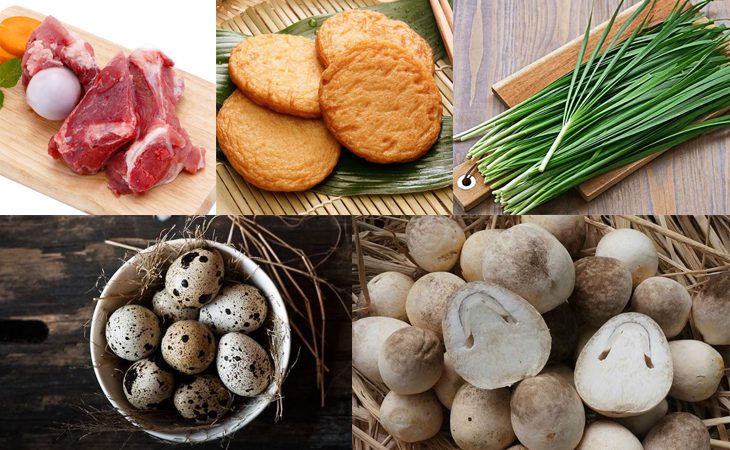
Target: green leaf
[355, 176]
[225, 42]
[10, 72]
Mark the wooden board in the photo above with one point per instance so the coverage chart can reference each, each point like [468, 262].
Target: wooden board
[50, 278]
[495, 38]
[24, 140]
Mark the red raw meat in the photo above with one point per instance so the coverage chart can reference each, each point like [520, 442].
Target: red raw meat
[104, 120]
[163, 148]
[52, 45]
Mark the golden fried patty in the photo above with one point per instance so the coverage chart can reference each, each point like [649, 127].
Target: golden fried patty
[276, 152]
[342, 31]
[381, 103]
[278, 71]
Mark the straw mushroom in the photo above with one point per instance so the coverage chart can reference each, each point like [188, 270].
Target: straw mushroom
[698, 370]
[561, 371]
[641, 424]
[434, 242]
[480, 419]
[472, 251]
[449, 383]
[665, 301]
[530, 262]
[678, 430]
[411, 418]
[388, 292]
[711, 309]
[634, 249]
[563, 332]
[569, 230]
[547, 413]
[625, 369]
[427, 300]
[602, 289]
[495, 337]
[518, 447]
[411, 360]
[607, 435]
[368, 336]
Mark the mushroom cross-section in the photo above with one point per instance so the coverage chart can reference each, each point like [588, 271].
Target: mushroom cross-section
[494, 337]
[625, 369]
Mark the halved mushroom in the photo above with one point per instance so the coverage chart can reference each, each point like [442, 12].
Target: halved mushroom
[625, 369]
[495, 337]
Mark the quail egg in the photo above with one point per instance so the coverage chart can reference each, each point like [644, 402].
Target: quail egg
[239, 307]
[195, 277]
[147, 384]
[204, 399]
[133, 332]
[243, 365]
[188, 346]
[53, 93]
[169, 309]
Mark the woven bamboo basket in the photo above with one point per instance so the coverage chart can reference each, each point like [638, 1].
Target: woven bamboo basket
[235, 195]
[692, 249]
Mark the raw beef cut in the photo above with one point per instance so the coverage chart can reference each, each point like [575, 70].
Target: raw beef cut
[104, 120]
[52, 45]
[163, 148]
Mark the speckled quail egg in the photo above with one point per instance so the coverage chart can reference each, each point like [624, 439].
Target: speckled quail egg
[239, 307]
[147, 384]
[169, 309]
[204, 399]
[195, 277]
[133, 332]
[188, 346]
[243, 365]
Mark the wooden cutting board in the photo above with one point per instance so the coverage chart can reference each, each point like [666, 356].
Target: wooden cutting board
[518, 87]
[24, 140]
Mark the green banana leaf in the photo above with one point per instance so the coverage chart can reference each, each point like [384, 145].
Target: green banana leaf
[354, 175]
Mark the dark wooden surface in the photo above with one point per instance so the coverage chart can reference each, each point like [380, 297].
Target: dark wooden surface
[48, 270]
[495, 38]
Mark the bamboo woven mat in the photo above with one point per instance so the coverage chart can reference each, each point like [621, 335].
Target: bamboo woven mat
[236, 196]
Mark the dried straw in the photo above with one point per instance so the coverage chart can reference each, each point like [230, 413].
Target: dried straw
[692, 249]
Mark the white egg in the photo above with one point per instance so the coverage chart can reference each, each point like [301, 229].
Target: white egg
[53, 93]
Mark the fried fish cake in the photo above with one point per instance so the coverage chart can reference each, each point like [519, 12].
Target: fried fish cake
[381, 103]
[278, 71]
[273, 151]
[342, 31]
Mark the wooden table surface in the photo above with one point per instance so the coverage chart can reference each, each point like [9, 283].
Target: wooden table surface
[495, 38]
[48, 270]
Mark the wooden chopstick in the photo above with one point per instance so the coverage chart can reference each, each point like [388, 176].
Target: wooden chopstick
[446, 7]
[445, 21]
